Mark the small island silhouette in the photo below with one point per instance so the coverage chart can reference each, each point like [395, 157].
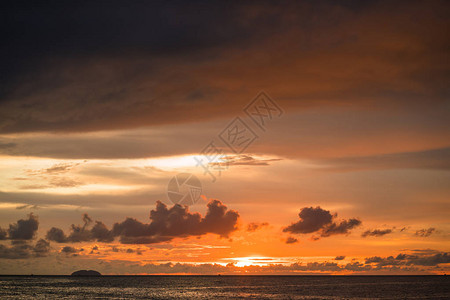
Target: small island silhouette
[86, 273]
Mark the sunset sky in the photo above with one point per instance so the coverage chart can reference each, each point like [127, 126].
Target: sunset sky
[343, 167]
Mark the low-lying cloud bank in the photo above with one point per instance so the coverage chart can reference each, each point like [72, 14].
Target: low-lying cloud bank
[165, 225]
[24, 249]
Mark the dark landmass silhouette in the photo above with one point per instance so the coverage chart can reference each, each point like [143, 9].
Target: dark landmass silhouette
[86, 273]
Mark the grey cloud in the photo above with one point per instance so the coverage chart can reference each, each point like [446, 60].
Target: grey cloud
[432, 260]
[70, 250]
[425, 232]
[78, 233]
[24, 229]
[343, 227]
[3, 234]
[56, 235]
[311, 220]
[318, 220]
[101, 233]
[166, 224]
[419, 259]
[376, 232]
[340, 257]
[291, 240]
[41, 248]
[177, 221]
[21, 249]
[253, 226]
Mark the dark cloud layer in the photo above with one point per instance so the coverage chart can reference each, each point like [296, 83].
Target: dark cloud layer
[166, 224]
[23, 249]
[96, 67]
[321, 221]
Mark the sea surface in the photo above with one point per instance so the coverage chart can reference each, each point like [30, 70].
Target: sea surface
[225, 287]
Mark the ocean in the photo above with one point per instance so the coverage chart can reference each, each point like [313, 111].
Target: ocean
[225, 287]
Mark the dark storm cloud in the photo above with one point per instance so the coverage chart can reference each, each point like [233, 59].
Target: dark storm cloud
[95, 67]
[376, 232]
[318, 220]
[23, 249]
[425, 232]
[340, 257]
[24, 229]
[166, 224]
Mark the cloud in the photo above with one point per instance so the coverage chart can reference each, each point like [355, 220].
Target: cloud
[27, 206]
[24, 229]
[60, 168]
[419, 259]
[166, 224]
[425, 232]
[438, 159]
[101, 233]
[340, 257]
[318, 220]
[81, 233]
[21, 249]
[254, 226]
[291, 240]
[311, 220]
[343, 227]
[244, 160]
[7, 145]
[70, 250]
[132, 77]
[376, 232]
[3, 234]
[56, 235]
[177, 221]
[41, 248]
